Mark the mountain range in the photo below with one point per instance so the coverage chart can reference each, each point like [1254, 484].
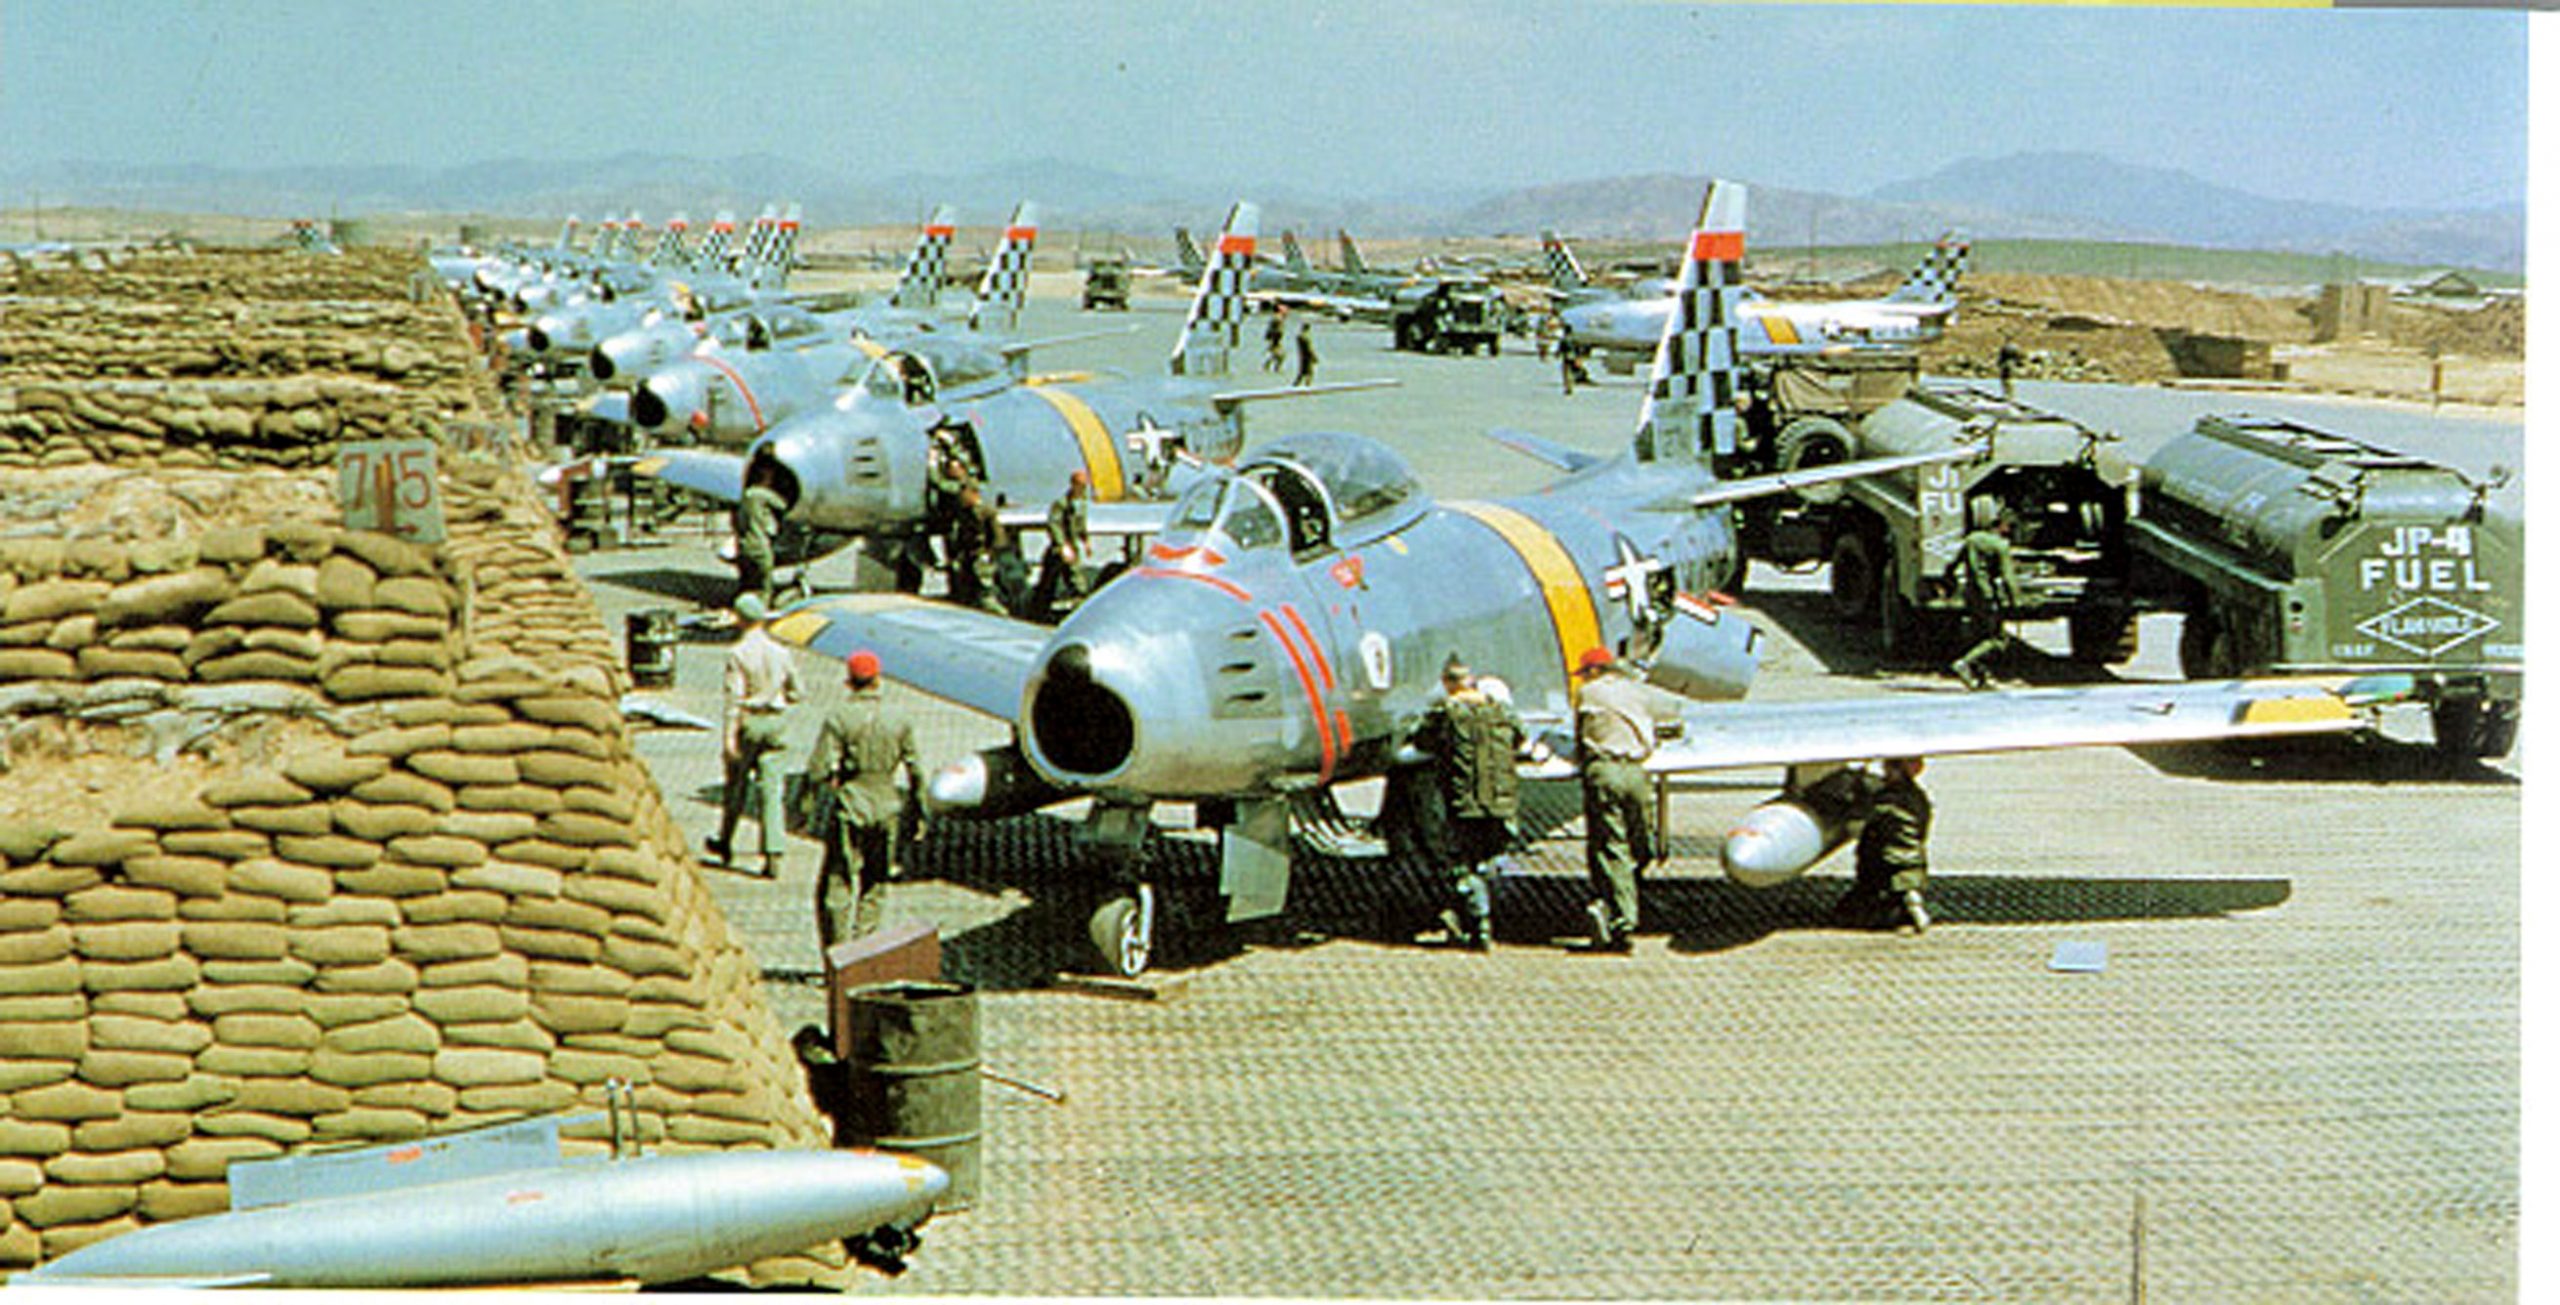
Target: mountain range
[2056, 195]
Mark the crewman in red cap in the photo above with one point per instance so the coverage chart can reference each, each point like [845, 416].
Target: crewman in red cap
[862, 748]
[1614, 736]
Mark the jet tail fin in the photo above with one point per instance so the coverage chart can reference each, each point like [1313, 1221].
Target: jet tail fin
[674, 244]
[1688, 407]
[1352, 262]
[1186, 252]
[1008, 274]
[1209, 334]
[1564, 271]
[1292, 257]
[713, 253]
[781, 248]
[921, 284]
[568, 233]
[1934, 280]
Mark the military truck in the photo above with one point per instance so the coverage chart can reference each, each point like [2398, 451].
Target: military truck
[1457, 315]
[1106, 284]
[1892, 540]
[2295, 550]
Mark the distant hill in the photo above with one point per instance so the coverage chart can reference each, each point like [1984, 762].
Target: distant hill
[2127, 201]
[2028, 196]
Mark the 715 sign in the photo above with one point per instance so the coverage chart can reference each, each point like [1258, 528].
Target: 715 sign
[390, 486]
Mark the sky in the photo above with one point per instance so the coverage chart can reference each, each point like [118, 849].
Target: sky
[1331, 98]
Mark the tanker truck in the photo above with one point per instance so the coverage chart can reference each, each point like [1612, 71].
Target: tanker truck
[1892, 539]
[2293, 550]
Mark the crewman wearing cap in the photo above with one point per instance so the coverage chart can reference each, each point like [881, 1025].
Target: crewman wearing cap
[1474, 740]
[862, 748]
[1062, 578]
[1614, 736]
[757, 684]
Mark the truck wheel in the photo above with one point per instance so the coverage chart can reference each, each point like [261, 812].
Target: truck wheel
[1854, 577]
[1493, 346]
[2468, 728]
[1811, 441]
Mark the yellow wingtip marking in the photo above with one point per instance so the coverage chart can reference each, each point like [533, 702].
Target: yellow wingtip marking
[649, 466]
[2293, 711]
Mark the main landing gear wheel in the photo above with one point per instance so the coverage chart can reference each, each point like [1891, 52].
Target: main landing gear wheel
[1124, 931]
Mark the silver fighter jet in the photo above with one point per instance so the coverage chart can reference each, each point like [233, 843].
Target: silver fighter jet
[1285, 632]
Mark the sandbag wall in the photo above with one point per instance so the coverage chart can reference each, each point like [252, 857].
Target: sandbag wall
[379, 862]
[226, 359]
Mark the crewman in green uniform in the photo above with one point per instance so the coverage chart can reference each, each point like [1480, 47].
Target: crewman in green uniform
[1474, 739]
[975, 533]
[1614, 737]
[758, 521]
[1062, 575]
[1893, 851]
[1987, 568]
[862, 748]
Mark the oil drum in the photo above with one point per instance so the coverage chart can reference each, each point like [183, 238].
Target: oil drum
[912, 1082]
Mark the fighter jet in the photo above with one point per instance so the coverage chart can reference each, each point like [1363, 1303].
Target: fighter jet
[629, 357]
[1621, 331]
[632, 291]
[502, 1205]
[857, 466]
[1285, 631]
[730, 398]
[1355, 291]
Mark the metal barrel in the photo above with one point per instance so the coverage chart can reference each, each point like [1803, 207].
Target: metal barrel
[649, 643]
[912, 1082]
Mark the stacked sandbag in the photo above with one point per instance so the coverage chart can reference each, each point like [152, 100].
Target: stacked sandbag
[386, 866]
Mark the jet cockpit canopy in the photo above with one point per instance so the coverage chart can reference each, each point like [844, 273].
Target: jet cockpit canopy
[1308, 493]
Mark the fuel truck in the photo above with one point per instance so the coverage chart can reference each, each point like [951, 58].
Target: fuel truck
[1892, 539]
[2293, 550]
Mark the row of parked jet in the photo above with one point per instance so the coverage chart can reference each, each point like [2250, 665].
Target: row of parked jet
[1282, 632]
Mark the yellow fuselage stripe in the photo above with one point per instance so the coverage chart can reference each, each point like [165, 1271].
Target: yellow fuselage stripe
[1781, 328]
[1101, 461]
[1569, 605]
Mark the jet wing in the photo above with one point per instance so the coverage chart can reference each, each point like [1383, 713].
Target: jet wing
[1111, 520]
[977, 659]
[1544, 450]
[1723, 736]
[718, 475]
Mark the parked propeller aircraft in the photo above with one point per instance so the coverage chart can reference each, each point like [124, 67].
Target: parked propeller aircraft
[730, 398]
[1622, 330]
[1285, 632]
[502, 1206]
[857, 466]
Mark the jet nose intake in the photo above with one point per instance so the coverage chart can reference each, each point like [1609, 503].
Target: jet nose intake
[648, 409]
[537, 339]
[1083, 729]
[600, 363]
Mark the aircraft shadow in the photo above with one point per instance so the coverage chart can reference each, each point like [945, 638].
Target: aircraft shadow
[2325, 759]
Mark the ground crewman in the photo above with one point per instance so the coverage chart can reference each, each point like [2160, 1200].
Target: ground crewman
[757, 683]
[1614, 735]
[1986, 567]
[861, 750]
[1474, 740]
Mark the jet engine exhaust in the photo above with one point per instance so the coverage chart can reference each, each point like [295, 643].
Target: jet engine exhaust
[1079, 726]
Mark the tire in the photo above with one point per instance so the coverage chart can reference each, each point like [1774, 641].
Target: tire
[2474, 729]
[1123, 931]
[1857, 577]
[1811, 441]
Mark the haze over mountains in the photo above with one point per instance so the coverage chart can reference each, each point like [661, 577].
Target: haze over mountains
[2040, 195]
